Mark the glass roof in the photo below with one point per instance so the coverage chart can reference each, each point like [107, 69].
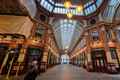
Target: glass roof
[59, 8]
[67, 28]
[65, 31]
[110, 10]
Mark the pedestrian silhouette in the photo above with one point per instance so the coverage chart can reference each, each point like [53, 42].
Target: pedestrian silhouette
[32, 71]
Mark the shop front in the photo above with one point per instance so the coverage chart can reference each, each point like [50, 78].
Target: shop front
[99, 61]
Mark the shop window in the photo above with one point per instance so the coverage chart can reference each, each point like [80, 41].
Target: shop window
[113, 53]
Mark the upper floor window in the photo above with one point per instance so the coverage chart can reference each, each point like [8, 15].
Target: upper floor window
[108, 34]
[95, 35]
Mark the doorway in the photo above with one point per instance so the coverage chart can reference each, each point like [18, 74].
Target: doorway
[99, 60]
[65, 59]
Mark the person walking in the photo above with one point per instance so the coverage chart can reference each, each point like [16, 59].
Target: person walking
[32, 72]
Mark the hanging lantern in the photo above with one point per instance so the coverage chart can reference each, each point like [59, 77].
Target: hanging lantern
[67, 4]
[69, 15]
[79, 8]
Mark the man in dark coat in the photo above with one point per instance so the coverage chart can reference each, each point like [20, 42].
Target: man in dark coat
[32, 72]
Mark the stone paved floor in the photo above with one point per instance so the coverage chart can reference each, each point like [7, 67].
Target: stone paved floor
[70, 72]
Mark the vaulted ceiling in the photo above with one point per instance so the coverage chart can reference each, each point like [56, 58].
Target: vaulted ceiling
[57, 6]
[75, 2]
[67, 32]
[106, 14]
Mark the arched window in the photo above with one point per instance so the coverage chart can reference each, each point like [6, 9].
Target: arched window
[65, 59]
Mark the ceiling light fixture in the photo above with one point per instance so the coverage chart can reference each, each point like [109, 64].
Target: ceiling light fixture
[79, 8]
[67, 4]
[69, 15]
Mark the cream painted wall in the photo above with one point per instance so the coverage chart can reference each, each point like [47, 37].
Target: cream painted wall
[15, 24]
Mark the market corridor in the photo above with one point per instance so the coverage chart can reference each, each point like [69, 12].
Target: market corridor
[70, 72]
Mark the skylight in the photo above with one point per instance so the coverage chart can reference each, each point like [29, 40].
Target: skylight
[67, 28]
[59, 8]
[110, 10]
[67, 32]
[114, 2]
[47, 5]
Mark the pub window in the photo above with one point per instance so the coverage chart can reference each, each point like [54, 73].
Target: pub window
[113, 53]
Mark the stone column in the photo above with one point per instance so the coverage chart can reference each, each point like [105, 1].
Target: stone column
[45, 53]
[53, 58]
[114, 34]
[117, 45]
[33, 30]
[105, 44]
[88, 52]
[44, 60]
